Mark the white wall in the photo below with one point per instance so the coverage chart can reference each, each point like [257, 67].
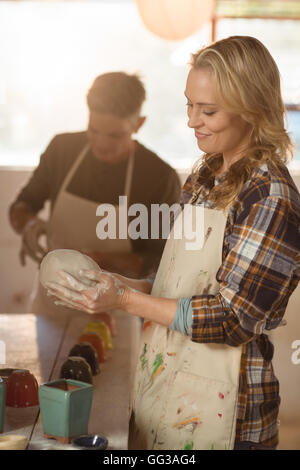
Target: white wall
[16, 282]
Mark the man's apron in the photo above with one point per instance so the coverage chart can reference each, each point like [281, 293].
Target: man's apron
[185, 392]
[73, 226]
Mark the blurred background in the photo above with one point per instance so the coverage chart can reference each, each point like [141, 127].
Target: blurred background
[50, 52]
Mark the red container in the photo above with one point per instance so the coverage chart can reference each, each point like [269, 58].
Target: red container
[98, 343]
[108, 319]
[21, 389]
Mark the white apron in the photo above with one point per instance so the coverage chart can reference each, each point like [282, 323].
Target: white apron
[185, 392]
[73, 226]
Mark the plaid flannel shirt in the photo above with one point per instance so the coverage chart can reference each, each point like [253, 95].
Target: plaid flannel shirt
[259, 271]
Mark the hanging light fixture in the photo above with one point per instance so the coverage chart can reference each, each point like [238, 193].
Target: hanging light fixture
[175, 19]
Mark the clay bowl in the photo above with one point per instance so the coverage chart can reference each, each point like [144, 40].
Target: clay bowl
[89, 353]
[102, 330]
[21, 389]
[76, 368]
[96, 341]
[108, 319]
[90, 442]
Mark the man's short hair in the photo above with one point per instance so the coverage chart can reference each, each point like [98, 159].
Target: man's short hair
[117, 93]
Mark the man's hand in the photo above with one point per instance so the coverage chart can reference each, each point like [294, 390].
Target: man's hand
[25, 222]
[31, 234]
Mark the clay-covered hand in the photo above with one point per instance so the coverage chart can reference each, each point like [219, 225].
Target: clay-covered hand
[106, 293]
[31, 247]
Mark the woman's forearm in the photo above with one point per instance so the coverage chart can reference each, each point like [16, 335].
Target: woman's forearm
[113, 292]
[138, 303]
[157, 309]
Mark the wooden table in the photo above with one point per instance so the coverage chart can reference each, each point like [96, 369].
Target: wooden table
[41, 344]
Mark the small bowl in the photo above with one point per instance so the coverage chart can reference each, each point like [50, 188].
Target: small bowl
[108, 319]
[89, 353]
[90, 442]
[21, 389]
[97, 342]
[102, 330]
[76, 368]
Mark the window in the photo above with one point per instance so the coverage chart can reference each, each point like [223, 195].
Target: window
[50, 52]
[282, 38]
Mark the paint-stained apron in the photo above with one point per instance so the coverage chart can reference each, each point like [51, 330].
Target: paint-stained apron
[73, 226]
[186, 393]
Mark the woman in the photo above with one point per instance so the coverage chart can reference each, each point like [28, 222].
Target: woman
[205, 378]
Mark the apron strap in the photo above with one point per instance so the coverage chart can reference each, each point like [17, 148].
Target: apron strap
[73, 168]
[129, 174]
[82, 154]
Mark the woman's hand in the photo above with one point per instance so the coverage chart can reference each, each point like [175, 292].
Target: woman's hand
[110, 292]
[107, 292]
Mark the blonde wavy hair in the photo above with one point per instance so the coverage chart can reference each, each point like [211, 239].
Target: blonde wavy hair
[247, 83]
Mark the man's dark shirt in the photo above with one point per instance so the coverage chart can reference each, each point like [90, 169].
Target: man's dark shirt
[153, 181]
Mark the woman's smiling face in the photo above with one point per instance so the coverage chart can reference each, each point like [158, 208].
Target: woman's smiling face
[216, 130]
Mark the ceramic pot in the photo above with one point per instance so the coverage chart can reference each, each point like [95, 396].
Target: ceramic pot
[108, 319]
[65, 408]
[76, 368]
[90, 442]
[89, 353]
[5, 373]
[21, 389]
[102, 330]
[97, 342]
[2, 403]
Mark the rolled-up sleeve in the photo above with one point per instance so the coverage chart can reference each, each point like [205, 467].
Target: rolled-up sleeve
[257, 276]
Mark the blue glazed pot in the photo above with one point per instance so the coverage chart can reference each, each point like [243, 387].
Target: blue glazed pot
[65, 406]
[90, 442]
[2, 403]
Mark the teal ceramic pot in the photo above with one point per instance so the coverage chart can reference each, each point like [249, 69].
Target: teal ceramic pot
[2, 403]
[65, 406]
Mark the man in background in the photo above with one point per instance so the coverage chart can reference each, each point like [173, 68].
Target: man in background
[80, 170]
